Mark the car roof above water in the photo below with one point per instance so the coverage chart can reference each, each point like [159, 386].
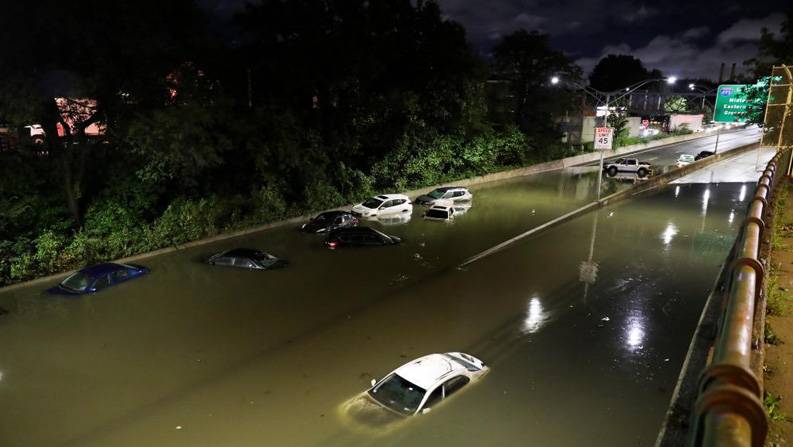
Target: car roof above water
[391, 196]
[428, 370]
[104, 268]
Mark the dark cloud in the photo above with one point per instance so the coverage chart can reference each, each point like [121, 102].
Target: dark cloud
[677, 36]
[684, 56]
[688, 38]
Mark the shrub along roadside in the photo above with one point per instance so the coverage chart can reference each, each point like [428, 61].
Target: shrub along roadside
[117, 226]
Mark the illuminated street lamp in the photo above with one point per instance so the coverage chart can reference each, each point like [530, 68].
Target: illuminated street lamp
[691, 86]
[555, 80]
[671, 80]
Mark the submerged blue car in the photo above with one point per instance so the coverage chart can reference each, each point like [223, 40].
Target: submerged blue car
[97, 277]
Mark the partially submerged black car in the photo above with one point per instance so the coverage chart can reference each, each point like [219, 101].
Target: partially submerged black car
[361, 236]
[329, 221]
[246, 258]
[703, 154]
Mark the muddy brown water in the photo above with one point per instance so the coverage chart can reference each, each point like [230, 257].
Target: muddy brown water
[192, 355]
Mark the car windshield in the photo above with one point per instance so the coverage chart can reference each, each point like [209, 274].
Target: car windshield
[440, 214]
[324, 216]
[437, 194]
[77, 282]
[398, 394]
[372, 203]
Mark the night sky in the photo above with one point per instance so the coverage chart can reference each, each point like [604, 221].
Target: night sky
[688, 39]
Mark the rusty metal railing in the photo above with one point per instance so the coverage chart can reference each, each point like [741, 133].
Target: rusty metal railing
[729, 409]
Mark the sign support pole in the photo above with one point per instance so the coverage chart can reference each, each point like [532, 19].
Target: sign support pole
[716, 148]
[600, 173]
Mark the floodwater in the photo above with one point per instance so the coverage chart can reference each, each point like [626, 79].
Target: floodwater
[193, 355]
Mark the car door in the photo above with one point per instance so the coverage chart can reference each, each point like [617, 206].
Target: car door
[101, 283]
[453, 385]
[119, 276]
[387, 207]
[244, 263]
[434, 398]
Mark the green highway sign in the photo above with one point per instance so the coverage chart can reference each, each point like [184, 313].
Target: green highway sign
[729, 104]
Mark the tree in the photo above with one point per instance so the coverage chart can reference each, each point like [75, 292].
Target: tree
[773, 49]
[115, 54]
[528, 62]
[616, 72]
[675, 104]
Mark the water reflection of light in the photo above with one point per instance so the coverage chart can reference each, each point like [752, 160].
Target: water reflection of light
[534, 316]
[669, 233]
[705, 200]
[742, 194]
[731, 217]
[677, 191]
[634, 334]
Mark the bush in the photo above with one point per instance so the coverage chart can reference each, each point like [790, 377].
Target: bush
[48, 251]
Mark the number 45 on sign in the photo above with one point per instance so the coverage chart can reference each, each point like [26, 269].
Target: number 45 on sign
[603, 138]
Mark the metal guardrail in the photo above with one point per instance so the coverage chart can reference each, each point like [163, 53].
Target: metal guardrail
[729, 409]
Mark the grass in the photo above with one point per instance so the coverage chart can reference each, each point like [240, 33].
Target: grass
[771, 403]
[770, 335]
[777, 299]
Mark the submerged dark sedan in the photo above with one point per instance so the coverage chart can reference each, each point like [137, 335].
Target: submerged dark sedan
[98, 277]
[329, 221]
[246, 258]
[359, 236]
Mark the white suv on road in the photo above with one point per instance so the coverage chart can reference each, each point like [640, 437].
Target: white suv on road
[382, 205]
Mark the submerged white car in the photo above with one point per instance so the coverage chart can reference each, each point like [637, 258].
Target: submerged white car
[440, 212]
[445, 194]
[415, 388]
[383, 204]
[685, 160]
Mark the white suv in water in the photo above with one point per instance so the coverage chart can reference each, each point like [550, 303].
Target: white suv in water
[415, 388]
[446, 194]
[382, 205]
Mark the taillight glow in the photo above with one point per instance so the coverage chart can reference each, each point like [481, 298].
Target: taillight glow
[332, 244]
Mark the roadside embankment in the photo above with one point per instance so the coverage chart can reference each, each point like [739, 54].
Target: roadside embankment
[778, 331]
[503, 175]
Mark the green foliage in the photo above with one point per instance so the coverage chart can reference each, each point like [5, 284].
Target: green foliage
[755, 96]
[770, 336]
[675, 104]
[771, 402]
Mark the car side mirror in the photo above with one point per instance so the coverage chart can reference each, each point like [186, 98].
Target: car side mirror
[426, 410]
[373, 382]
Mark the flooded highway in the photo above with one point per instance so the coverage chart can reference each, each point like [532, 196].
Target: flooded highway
[194, 355]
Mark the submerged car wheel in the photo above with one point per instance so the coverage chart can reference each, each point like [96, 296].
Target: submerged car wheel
[612, 171]
[641, 172]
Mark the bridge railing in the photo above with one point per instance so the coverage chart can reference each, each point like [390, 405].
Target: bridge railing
[729, 408]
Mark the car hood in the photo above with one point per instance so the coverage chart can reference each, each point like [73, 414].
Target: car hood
[365, 412]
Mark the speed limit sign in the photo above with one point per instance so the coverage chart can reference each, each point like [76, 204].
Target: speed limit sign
[603, 138]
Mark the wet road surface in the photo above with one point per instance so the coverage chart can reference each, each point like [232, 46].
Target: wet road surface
[193, 355]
